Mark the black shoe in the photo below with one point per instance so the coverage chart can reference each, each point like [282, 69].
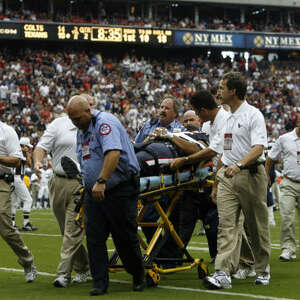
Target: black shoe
[28, 227]
[17, 228]
[139, 285]
[213, 260]
[97, 291]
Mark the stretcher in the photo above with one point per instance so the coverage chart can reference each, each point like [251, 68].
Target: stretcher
[152, 189]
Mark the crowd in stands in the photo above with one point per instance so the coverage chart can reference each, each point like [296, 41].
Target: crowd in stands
[35, 86]
[162, 21]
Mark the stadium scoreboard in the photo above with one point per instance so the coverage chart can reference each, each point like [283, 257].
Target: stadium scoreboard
[85, 33]
[154, 37]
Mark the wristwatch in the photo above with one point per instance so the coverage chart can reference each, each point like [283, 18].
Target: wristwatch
[101, 180]
[240, 165]
[187, 159]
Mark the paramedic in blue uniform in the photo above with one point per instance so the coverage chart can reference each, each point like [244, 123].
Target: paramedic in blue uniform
[168, 114]
[110, 173]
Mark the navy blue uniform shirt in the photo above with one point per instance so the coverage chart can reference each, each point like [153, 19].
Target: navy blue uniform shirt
[105, 133]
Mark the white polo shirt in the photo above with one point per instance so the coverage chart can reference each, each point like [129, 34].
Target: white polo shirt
[59, 139]
[215, 132]
[9, 145]
[287, 147]
[244, 129]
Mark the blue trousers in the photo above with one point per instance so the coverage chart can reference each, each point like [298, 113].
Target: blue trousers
[116, 215]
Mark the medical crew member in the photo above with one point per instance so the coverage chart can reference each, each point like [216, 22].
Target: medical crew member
[10, 157]
[287, 147]
[59, 139]
[197, 205]
[215, 119]
[110, 172]
[241, 184]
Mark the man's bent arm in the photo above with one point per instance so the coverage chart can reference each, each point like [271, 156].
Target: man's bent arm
[10, 161]
[111, 160]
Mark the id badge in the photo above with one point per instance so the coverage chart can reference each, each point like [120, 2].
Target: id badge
[228, 141]
[85, 150]
[298, 157]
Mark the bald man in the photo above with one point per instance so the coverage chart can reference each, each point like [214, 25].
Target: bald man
[59, 140]
[110, 173]
[191, 121]
[198, 205]
[91, 100]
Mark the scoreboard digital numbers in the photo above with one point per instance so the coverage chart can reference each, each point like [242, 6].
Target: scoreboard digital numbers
[86, 33]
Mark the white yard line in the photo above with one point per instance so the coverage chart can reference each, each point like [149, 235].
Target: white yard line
[196, 248]
[40, 234]
[43, 219]
[274, 246]
[43, 234]
[168, 287]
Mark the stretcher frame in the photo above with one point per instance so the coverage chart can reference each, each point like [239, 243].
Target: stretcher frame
[151, 262]
[152, 198]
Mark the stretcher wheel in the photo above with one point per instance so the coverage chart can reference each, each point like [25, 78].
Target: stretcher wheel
[152, 278]
[202, 270]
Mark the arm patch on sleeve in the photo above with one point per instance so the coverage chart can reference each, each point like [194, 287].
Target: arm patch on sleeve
[104, 129]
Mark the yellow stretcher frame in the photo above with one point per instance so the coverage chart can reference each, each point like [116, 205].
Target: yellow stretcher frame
[152, 198]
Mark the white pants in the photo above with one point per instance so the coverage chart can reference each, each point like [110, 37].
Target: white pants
[276, 192]
[289, 203]
[43, 192]
[20, 195]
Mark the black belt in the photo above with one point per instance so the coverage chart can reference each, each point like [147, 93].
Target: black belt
[291, 179]
[62, 176]
[9, 178]
[249, 166]
[5, 175]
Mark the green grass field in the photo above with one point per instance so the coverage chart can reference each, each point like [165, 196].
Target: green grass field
[45, 244]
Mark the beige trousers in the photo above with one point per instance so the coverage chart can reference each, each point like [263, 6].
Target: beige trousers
[34, 189]
[7, 231]
[242, 257]
[247, 193]
[288, 201]
[63, 193]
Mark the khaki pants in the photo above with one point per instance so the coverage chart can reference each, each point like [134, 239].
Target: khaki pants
[7, 231]
[289, 199]
[242, 256]
[247, 193]
[63, 192]
[34, 193]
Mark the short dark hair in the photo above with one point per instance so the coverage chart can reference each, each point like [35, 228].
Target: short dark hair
[235, 81]
[214, 90]
[203, 99]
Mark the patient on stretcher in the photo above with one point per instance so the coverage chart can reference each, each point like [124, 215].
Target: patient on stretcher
[159, 150]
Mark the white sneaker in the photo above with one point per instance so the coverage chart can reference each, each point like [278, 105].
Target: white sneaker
[220, 280]
[30, 273]
[61, 282]
[244, 273]
[263, 279]
[272, 223]
[287, 255]
[81, 277]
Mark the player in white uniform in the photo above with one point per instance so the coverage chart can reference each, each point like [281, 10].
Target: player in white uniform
[21, 193]
[43, 195]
